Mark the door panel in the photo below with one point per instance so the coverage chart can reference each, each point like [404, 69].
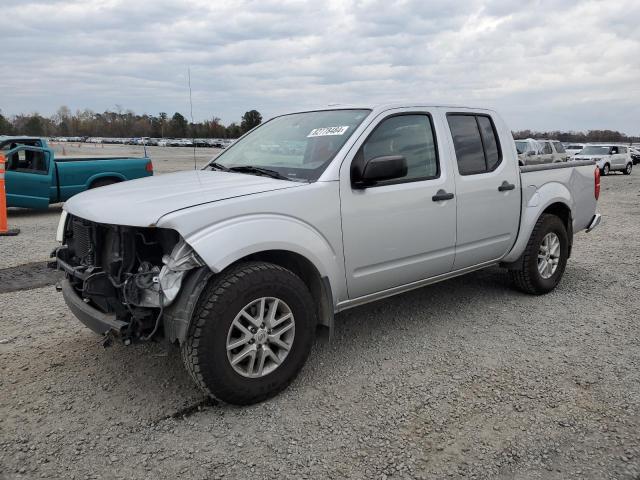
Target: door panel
[487, 218]
[395, 233]
[28, 177]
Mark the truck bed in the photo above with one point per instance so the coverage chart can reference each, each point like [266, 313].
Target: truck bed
[570, 183]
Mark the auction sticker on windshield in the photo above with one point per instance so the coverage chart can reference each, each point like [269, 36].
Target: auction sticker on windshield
[325, 131]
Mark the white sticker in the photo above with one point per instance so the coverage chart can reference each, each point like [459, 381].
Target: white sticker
[324, 131]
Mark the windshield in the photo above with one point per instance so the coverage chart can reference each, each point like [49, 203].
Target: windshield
[594, 150]
[297, 146]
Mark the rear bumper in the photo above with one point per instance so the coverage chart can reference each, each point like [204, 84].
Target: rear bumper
[595, 221]
[97, 321]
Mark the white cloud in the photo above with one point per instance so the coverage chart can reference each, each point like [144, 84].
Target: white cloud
[543, 64]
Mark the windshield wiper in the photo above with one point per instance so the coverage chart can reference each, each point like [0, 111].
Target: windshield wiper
[250, 169]
[218, 166]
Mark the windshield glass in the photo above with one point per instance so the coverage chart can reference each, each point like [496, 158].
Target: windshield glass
[297, 146]
[594, 150]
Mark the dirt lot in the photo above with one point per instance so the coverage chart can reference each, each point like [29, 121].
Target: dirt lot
[464, 379]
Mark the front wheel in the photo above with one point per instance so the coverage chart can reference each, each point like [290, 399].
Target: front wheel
[544, 258]
[627, 171]
[251, 333]
[606, 169]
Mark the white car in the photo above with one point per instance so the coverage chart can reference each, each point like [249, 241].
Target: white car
[608, 157]
[574, 148]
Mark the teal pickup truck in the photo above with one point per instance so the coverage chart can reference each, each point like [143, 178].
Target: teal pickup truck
[35, 178]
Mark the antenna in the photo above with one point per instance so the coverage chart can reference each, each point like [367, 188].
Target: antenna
[193, 138]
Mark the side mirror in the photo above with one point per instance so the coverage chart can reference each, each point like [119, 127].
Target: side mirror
[530, 153]
[383, 168]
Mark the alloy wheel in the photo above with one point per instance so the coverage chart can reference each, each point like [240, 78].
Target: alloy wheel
[549, 255]
[260, 337]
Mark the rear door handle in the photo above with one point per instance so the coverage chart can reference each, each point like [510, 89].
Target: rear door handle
[442, 195]
[506, 186]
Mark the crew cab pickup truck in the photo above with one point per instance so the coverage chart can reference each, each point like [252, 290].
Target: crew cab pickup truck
[35, 178]
[305, 216]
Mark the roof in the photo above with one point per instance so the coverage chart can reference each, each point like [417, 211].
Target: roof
[381, 107]
[607, 144]
[17, 137]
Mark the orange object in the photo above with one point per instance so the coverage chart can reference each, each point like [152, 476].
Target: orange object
[4, 228]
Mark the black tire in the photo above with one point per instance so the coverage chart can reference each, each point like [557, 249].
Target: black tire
[204, 350]
[103, 182]
[606, 169]
[528, 279]
[627, 170]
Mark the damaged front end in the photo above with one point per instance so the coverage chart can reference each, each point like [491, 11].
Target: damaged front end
[122, 279]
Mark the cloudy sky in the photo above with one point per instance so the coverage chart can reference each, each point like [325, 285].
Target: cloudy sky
[570, 65]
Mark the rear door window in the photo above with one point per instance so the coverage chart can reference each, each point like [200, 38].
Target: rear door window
[559, 147]
[476, 143]
[26, 161]
[491, 148]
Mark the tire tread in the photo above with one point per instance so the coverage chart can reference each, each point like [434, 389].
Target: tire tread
[214, 298]
[522, 277]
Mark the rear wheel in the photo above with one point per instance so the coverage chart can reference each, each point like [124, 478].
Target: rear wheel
[544, 258]
[606, 169]
[627, 171]
[251, 333]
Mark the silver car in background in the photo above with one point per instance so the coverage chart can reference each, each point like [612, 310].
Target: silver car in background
[608, 157]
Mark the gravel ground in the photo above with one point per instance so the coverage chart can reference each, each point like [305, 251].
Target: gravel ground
[464, 379]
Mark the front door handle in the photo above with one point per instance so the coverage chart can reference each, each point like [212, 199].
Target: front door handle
[442, 195]
[506, 186]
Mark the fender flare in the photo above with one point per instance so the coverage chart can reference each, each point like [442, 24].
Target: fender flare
[275, 232]
[547, 195]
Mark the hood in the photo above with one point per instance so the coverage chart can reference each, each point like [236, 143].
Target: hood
[142, 202]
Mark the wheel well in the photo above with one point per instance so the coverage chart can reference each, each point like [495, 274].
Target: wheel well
[563, 212]
[101, 179]
[318, 286]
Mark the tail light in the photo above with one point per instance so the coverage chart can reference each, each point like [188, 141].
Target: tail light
[149, 167]
[596, 189]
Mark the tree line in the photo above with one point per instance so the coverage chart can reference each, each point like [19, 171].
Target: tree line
[123, 124]
[591, 136]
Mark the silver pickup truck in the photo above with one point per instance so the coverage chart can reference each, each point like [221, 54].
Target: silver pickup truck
[307, 215]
